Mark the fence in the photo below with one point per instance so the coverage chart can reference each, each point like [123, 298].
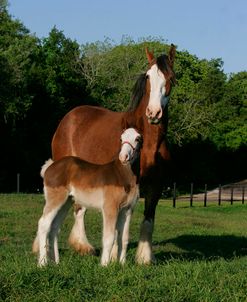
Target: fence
[229, 193]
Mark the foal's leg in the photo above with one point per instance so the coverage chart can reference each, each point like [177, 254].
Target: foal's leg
[114, 251]
[54, 203]
[55, 227]
[78, 238]
[110, 214]
[44, 228]
[123, 233]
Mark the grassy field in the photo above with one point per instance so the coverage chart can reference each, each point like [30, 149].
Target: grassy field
[201, 256]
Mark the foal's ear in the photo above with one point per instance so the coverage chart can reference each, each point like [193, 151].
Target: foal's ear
[149, 55]
[172, 53]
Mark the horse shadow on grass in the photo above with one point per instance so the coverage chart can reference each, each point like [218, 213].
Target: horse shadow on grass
[199, 247]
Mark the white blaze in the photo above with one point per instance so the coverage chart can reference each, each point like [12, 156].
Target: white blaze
[157, 99]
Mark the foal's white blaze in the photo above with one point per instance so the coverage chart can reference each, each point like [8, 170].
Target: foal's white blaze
[128, 138]
[158, 100]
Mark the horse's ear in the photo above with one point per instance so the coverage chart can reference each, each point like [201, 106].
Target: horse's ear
[172, 53]
[149, 55]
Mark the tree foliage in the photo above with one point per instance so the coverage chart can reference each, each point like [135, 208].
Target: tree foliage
[230, 129]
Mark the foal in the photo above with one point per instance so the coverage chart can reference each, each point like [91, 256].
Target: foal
[113, 188]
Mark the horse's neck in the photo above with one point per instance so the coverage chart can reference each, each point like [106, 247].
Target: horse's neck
[135, 168]
[129, 171]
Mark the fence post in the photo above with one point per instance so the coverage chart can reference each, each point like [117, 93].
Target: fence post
[174, 195]
[219, 198]
[231, 195]
[205, 196]
[191, 194]
[243, 195]
[18, 183]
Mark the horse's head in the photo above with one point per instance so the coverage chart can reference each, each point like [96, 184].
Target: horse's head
[131, 142]
[160, 78]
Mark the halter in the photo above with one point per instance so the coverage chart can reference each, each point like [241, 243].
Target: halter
[128, 143]
[133, 155]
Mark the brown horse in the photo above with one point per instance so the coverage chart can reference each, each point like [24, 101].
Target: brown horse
[92, 133]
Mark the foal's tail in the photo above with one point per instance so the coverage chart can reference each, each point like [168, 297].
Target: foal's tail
[45, 166]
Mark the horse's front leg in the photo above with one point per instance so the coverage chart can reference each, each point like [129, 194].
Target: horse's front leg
[110, 216]
[124, 235]
[78, 238]
[144, 254]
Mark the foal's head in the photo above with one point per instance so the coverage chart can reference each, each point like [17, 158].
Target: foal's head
[131, 142]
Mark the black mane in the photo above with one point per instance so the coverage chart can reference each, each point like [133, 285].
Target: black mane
[165, 68]
[161, 62]
[138, 92]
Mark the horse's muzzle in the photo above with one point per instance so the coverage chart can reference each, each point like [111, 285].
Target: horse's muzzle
[154, 121]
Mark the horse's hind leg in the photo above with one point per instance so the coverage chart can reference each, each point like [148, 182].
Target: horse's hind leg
[44, 228]
[78, 238]
[54, 202]
[53, 237]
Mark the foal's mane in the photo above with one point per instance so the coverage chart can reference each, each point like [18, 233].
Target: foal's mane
[138, 90]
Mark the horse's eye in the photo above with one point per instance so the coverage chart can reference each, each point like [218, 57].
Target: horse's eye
[138, 139]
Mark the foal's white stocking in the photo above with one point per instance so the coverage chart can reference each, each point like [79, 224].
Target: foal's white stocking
[125, 236]
[109, 227]
[43, 232]
[55, 227]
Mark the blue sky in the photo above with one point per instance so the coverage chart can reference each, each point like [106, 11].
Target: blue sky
[206, 28]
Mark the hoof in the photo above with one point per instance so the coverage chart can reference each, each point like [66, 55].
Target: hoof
[82, 248]
[144, 254]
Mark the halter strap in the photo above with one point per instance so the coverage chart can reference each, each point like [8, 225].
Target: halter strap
[128, 143]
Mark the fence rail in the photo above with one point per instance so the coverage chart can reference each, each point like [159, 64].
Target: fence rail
[229, 193]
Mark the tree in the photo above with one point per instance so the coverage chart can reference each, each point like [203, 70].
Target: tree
[17, 48]
[230, 129]
[200, 84]
[111, 70]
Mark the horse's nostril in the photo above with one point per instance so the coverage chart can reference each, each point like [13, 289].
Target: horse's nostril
[123, 158]
[158, 114]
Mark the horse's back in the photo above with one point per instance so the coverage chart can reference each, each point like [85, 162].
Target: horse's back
[91, 133]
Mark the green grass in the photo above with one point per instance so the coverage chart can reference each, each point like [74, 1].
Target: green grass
[201, 256]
